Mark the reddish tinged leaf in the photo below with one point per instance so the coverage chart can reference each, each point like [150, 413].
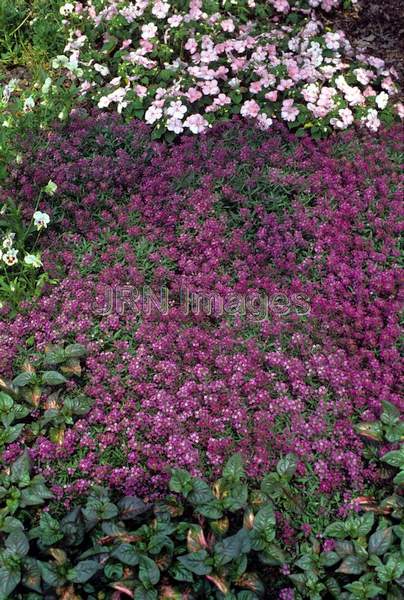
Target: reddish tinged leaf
[371, 431]
[122, 588]
[59, 555]
[251, 581]
[248, 520]
[220, 583]
[196, 540]
[220, 526]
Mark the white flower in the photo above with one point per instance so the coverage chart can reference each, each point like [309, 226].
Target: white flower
[102, 69]
[46, 86]
[176, 110]
[382, 100]
[50, 188]
[33, 260]
[160, 9]
[149, 31]
[371, 119]
[175, 125]
[41, 220]
[66, 9]
[10, 257]
[153, 114]
[29, 104]
[8, 240]
[196, 123]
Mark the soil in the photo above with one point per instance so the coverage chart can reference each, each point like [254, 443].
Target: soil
[377, 27]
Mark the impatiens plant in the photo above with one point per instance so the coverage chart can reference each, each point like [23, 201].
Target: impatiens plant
[183, 66]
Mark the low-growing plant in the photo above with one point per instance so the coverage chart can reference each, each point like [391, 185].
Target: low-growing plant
[43, 376]
[21, 272]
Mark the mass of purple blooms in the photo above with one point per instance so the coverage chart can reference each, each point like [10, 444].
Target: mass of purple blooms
[313, 226]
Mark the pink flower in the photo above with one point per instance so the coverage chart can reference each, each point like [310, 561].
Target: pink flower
[210, 88]
[271, 96]
[196, 123]
[228, 25]
[194, 94]
[255, 87]
[140, 90]
[289, 112]
[250, 109]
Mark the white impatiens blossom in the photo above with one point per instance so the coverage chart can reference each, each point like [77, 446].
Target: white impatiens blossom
[176, 110]
[41, 220]
[382, 100]
[175, 125]
[153, 114]
[372, 120]
[101, 69]
[149, 31]
[33, 260]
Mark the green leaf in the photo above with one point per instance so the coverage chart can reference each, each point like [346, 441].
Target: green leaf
[126, 554]
[149, 573]
[399, 478]
[75, 351]
[20, 469]
[6, 402]
[132, 507]
[23, 379]
[181, 573]
[17, 542]
[55, 356]
[380, 541]
[49, 531]
[53, 378]
[83, 571]
[114, 571]
[287, 465]
[351, 565]
[329, 559]
[336, 530]
[263, 530]
[232, 547]
[395, 458]
[31, 575]
[366, 524]
[50, 575]
[201, 492]
[9, 579]
[212, 510]
[195, 562]
[142, 594]
[181, 482]
[234, 468]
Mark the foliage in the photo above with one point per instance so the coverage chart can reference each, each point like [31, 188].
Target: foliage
[39, 379]
[21, 273]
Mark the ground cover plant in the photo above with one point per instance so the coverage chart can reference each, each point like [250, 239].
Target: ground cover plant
[299, 239]
[200, 298]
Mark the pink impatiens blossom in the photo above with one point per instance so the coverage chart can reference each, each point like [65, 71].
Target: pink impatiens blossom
[196, 123]
[250, 108]
[289, 112]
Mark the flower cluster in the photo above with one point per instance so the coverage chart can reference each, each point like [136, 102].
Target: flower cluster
[19, 257]
[234, 213]
[183, 66]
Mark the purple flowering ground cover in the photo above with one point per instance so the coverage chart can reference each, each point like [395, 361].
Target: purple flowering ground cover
[238, 213]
